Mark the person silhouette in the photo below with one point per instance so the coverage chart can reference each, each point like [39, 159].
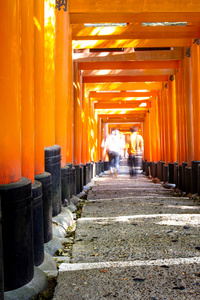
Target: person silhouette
[135, 148]
[113, 146]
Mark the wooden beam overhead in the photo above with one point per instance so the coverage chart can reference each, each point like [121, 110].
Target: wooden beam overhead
[130, 86]
[110, 65]
[123, 17]
[122, 105]
[175, 54]
[127, 115]
[125, 95]
[126, 6]
[100, 79]
[122, 118]
[131, 120]
[128, 73]
[134, 31]
[131, 43]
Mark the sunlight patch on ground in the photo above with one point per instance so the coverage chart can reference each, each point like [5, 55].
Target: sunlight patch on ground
[123, 264]
[166, 219]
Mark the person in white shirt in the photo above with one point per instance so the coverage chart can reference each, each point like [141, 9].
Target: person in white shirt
[113, 146]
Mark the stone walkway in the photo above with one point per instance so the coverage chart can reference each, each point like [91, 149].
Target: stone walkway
[135, 240]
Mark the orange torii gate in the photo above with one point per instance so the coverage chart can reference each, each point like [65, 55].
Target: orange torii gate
[52, 74]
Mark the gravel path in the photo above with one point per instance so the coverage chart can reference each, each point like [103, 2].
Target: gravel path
[134, 240]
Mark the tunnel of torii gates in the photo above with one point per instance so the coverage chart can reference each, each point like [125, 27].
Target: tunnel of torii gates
[69, 72]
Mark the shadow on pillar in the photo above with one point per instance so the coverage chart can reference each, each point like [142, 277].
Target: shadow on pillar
[45, 179]
[17, 233]
[1, 258]
[53, 166]
[38, 231]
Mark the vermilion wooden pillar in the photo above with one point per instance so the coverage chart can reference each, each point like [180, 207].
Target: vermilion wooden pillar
[84, 119]
[49, 73]
[77, 115]
[163, 121]
[153, 140]
[61, 80]
[101, 139]
[187, 75]
[180, 117]
[166, 123]
[158, 129]
[195, 61]
[155, 130]
[15, 190]
[99, 129]
[27, 88]
[161, 129]
[172, 119]
[70, 107]
[39, 85]
[147, 138]
[92, 154]
[10, 86]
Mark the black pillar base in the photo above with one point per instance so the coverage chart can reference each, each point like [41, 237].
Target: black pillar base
[78, 189]
[162, 163]
[45, 179]
[154, 169]
[165, 172]
[88, 172]
[81, 177]
[188, 179]
[198, 184]
[38, 232]
[180, 177]
[70, 165]
[92, 170]
[17, 233]
[106, 166]
[96, 169]
[1, 258]
[176, 175]
[171, 172]
[184, 165]
[53, 166]
[158, 169]
[74, 192]
[65, 185]
[194, 176]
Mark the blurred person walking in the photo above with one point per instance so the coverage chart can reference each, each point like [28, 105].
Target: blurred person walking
[135, 149]
[113, 146]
